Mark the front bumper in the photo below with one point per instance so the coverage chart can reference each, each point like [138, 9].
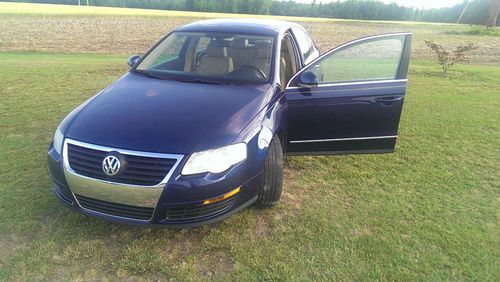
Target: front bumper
[178, 202]
[158, 219]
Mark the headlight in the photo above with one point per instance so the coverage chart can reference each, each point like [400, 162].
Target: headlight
[58, 140]
[215, 161]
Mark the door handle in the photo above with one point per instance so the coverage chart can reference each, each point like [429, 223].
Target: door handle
[388, 100]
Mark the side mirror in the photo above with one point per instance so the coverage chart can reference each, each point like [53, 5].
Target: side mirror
[133, 60]
[308, 78]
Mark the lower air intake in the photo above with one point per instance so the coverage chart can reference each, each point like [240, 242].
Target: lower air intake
[197, 211]
[126, 211]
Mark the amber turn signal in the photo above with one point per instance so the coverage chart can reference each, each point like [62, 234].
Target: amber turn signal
[223, 197]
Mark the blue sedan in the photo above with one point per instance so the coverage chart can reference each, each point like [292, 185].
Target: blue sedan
[198, 128]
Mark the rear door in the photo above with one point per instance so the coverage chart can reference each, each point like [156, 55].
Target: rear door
[349, 100]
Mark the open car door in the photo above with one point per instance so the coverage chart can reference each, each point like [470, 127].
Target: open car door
[349, 100]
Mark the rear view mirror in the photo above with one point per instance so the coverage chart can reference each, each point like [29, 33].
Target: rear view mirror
[308, 78]
[133, 60]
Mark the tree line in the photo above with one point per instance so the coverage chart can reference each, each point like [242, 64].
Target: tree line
[477, 12]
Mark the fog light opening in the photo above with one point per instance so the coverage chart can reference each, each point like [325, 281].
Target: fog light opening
[223, 197]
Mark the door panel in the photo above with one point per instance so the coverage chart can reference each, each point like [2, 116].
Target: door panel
[357, 103]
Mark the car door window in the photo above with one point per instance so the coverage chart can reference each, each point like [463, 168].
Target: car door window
[288, 63]
[377, 59]
[307, 49]
[203, 43]
[200, 50]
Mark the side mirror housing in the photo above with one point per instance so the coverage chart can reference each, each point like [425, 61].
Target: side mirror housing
[309, 79]
[133, 60]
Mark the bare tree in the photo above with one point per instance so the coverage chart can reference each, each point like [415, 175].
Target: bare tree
[493, 13]
[447, 57]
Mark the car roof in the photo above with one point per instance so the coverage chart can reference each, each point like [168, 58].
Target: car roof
[248, 26]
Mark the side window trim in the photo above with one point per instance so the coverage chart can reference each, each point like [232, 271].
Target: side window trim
[352, 83]
[402, 71]
[399, 72]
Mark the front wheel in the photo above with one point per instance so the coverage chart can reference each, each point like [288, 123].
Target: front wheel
[272, 177]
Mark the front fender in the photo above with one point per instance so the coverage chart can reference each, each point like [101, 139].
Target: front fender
[269, 122]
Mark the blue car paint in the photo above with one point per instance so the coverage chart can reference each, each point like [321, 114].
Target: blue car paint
[248, 26]
[182, 190]
[145, 114]
[346, 112]
[137, 108]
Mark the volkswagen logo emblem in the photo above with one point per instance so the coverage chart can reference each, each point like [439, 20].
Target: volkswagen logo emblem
[111, 165]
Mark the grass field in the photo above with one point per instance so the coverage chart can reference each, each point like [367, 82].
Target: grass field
[430, 211]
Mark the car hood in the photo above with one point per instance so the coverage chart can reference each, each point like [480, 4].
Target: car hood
[146, 114]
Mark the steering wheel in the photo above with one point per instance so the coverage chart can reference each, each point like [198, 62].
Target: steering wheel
[255, 69]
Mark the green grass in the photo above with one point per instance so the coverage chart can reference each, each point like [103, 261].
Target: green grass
[338, 69]
[427, 212]
[476, 30]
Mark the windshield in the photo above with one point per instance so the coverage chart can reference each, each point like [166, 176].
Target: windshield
[210, 57]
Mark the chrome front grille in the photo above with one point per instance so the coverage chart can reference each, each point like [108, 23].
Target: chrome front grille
[133, 192]
[137, 170]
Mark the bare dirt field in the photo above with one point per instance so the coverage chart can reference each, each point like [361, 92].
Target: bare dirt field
[113, 34]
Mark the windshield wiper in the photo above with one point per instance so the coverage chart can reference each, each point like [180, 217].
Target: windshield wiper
[149, 74]
[190, 80]
[205, 81]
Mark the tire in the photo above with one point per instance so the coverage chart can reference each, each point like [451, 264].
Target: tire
[272, 177]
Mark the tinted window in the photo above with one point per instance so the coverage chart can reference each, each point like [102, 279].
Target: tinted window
[372, 60]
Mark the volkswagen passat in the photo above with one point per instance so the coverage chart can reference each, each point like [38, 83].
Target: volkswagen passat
[198, 128]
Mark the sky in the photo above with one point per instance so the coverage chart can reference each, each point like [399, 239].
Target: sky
[409, 3]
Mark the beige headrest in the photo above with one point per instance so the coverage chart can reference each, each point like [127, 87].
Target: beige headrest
[215, 51]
